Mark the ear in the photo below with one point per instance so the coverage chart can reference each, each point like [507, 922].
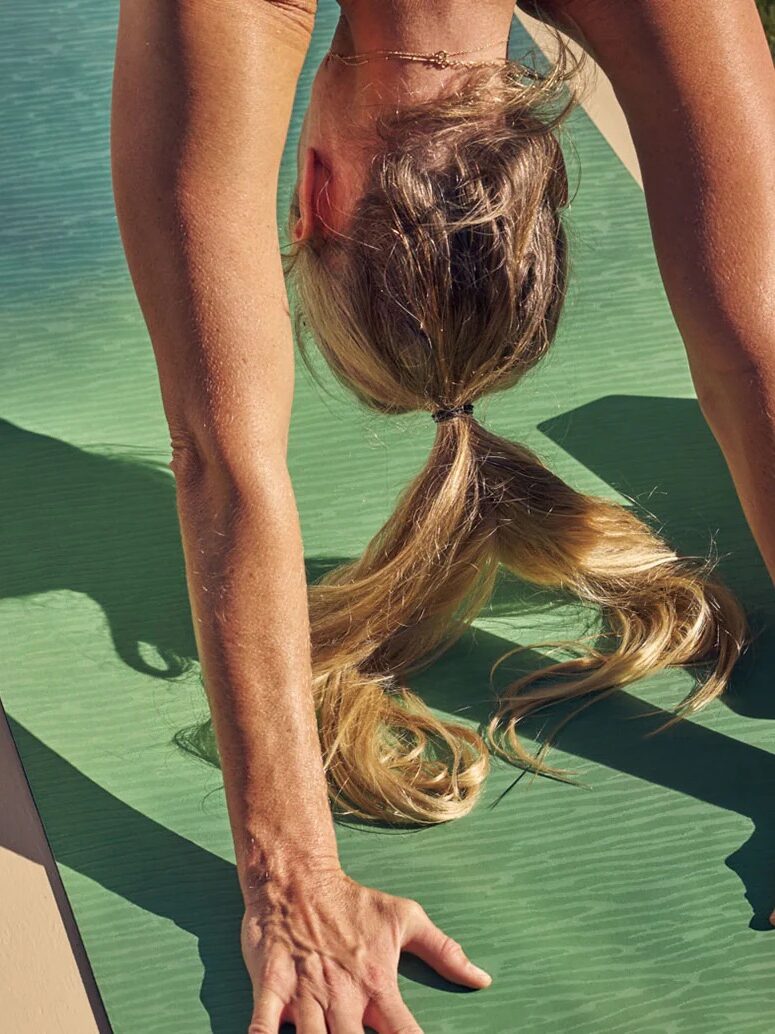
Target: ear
[308, 173]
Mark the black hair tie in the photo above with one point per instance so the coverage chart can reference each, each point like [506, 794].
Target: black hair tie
[447, 414]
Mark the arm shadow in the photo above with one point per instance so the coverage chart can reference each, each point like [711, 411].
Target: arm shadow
[104, 523]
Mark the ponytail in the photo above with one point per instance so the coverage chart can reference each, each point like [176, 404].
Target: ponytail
[482, 501]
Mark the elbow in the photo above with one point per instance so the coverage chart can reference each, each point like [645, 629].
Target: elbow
[202, 463]
[296, 15]
[188, 463]
[741, 391]
[727, 342]
[301, 8]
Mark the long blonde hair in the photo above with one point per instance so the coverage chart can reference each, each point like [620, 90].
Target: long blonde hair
[448, 286]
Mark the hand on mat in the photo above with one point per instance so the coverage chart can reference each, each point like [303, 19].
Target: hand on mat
[323, 954]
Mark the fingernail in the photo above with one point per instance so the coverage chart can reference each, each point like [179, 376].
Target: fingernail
[481, 973]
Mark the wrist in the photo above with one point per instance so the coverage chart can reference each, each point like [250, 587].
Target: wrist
[267, 867]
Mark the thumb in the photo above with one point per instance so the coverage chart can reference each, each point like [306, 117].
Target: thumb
[424, 939]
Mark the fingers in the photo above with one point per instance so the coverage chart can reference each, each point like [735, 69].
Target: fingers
[343, 1015]
[389, 1014]
[432, 945]
[309, 1018]
[267, 1008]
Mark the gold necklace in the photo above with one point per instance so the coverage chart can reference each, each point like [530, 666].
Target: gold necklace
[439, 59]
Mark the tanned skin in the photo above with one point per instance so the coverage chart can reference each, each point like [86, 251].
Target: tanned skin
[697, 85]
[202, 97]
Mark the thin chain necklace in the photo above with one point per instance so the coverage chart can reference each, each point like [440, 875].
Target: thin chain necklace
[439, 59]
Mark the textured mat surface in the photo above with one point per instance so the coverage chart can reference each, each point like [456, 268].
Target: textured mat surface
[636, 908]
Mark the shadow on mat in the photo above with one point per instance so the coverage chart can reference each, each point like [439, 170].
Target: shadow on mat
[106, 525]
[660, 453]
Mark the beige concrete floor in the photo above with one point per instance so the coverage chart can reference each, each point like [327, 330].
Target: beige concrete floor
[599, 100]
[46, 984]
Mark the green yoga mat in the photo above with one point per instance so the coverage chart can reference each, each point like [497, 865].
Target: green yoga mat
[636, 905]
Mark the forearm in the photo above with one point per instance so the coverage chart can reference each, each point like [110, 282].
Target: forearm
[697, 85]
[245, 574]
[201, 98]
[740, 410]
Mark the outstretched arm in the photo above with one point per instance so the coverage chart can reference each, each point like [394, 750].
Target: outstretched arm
[201, 103]
[697, 85]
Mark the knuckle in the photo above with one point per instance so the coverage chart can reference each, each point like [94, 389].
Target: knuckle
[414, 910]
[450, 949]
[335, 979]
[330, 971]
[380, 990]
[311, 989]
[274, 977]
[375, 972]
